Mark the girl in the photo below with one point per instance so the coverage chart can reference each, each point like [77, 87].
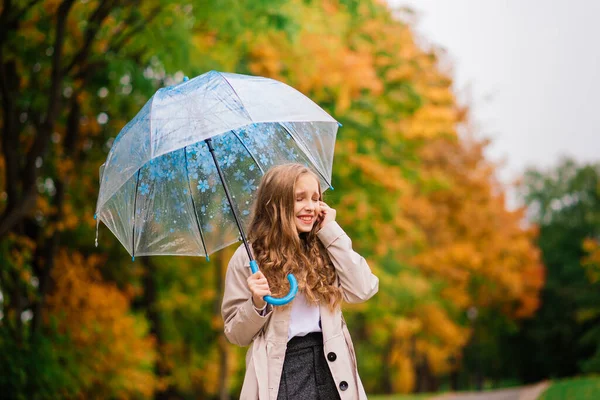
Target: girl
[302, 350]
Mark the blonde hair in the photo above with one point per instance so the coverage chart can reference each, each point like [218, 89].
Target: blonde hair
[280, 250]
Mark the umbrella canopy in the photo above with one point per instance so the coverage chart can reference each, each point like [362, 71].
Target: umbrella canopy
[160, 190]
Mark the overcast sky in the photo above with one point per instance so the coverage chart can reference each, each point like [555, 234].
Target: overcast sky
[533, 69]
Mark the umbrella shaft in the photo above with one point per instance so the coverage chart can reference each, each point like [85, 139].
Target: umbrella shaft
[229, 198]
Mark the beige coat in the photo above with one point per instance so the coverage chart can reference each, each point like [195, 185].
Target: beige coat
[268, 334]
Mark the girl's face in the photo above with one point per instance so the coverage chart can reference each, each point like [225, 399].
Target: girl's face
[306, 205]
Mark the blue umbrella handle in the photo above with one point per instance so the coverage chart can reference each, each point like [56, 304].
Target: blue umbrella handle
[285, 299]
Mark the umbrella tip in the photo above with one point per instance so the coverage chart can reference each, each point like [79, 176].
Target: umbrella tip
[185, 79]
[331, 187]
[207, 259]
[133, 258]
[95, 216]
[340, 124]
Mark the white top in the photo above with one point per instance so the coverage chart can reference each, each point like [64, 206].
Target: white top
[305, 318]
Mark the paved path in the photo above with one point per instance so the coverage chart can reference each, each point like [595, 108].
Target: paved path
[521, 393]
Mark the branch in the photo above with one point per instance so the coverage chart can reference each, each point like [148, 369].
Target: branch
[56, 83]
[43, 134]
[11, 217]
[52, 243]
[4, 20]
[120, 42]
[94, 24]
[9, 20]
[26, 8]
[128, 21]
[9, 85]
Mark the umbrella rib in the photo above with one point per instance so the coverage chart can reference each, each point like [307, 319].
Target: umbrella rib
[229, 198]
[237, 95]
[187, 175]
[137, 184]
[249, 152]
[306, 153]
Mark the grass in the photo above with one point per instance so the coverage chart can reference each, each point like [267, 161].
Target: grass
[587, 388]
[584, 388]
[402, 397]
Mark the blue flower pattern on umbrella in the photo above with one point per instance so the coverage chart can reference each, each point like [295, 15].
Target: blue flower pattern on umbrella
[203, 185]
[225, 205]
[249, 185]
[243, 156]
[144, 189]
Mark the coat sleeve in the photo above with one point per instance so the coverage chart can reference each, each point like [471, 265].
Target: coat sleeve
[356, 279]
[242, 321]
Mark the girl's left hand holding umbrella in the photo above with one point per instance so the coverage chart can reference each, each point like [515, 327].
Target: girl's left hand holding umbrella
[259, 286]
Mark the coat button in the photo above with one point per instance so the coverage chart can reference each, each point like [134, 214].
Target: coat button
[331, 356]
[343, 385]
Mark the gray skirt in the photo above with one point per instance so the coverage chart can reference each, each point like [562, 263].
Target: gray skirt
[306, 375]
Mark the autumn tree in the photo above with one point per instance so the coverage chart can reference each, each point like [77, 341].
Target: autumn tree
[59, 61]
[419, 199]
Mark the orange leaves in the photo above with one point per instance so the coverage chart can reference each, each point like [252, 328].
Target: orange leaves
[471, 234]
[405, 328]
[440, 338]
[51, 6]
[405, 376]
[319, 60]
[429, 122]
[18, 251]
[389, 177]
[114, 353]
[266, 56]
[64, 168]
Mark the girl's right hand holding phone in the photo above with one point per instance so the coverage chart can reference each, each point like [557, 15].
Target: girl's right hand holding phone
[259, 286]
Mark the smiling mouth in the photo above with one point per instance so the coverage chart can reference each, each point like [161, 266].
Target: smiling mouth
[306, 219]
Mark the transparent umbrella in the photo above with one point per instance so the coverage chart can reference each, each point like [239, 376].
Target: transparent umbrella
[180, 177]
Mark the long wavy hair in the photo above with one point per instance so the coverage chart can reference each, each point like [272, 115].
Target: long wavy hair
[280, 250]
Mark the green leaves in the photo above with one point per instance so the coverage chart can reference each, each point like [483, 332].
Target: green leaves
[565, 203]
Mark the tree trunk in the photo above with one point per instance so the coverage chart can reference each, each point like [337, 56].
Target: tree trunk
[150, 303]
[45, 265]
[220, 265]
[387, 385]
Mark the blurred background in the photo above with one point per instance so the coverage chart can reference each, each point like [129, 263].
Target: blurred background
[466, 172]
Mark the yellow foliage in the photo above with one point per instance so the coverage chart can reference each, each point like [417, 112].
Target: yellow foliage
[113, 350]
[406, 327]
[404, 381]
[20, 253]
[591, 261]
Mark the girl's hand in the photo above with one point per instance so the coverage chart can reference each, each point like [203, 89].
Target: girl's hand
[260, 288]
[326, 214]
